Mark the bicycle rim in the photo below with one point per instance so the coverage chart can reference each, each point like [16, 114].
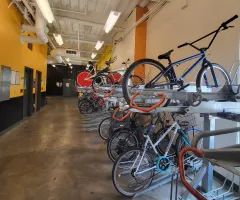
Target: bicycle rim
[146, 70]
[104, 128]
[120, 143]
[207, 81]
[124, 180]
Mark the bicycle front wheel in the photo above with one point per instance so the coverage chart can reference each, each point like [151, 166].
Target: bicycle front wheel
[140, 73]
[205, 78]
[125, 180]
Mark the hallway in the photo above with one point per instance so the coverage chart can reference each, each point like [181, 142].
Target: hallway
[50, 157]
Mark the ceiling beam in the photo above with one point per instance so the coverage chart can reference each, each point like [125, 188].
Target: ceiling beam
[87, 23]
[88, 41]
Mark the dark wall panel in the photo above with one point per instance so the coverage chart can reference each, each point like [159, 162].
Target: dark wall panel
[57, 74]
[11, 112]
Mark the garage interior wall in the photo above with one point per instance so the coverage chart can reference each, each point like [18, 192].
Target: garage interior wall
[17, 56]
[173, 26]
[126, 48]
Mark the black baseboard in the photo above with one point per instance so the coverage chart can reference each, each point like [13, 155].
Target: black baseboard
[11, 111]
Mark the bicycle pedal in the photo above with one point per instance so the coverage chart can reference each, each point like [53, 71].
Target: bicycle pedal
[183, 87]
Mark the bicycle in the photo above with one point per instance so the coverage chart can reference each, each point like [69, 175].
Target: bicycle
[137, 166]
[110, 78]
[155, 75]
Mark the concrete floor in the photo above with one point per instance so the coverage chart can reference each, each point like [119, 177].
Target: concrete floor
[50, 157]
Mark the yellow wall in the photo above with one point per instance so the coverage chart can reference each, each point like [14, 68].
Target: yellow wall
[13, 53]
[105, 57]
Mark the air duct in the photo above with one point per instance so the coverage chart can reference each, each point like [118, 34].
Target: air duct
[40, 29]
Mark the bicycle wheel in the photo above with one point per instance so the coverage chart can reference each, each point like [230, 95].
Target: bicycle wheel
[86, 107]
[205, 78]
[147, 70]
[104, 128]
[101, 80]
[119, 143]
[124, 180]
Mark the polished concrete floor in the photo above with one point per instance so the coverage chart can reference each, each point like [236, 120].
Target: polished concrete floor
[50, 157]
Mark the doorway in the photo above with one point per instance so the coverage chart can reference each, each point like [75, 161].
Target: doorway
[38, 91]
[28, 94]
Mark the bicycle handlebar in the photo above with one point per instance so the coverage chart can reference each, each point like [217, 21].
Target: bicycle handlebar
[123, 117]
[182, 45]
[200, 153]
[223, 25]
[162, 100]
[230, 20]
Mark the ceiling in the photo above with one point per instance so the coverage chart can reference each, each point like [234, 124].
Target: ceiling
[81, 22]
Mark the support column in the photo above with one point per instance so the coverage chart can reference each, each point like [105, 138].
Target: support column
[140, 40]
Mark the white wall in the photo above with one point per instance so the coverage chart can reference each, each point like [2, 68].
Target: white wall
[173, 26]
[125, 49]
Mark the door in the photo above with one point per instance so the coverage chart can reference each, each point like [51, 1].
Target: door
[28, 95]
[38, 102]
[68, 88]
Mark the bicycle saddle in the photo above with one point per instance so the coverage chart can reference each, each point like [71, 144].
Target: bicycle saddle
[165, 55]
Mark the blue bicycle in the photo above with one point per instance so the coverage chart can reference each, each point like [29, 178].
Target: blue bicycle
[155, 75]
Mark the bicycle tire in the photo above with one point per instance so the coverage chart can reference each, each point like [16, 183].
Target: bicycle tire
[134, 65]
[115, 175]
[111, 140]
[99, 128]
[203, 71]
[87, 105]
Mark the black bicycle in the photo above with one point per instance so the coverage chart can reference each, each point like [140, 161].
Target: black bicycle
[155, 75]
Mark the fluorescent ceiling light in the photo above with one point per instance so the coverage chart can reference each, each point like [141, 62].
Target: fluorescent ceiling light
[99, 44]
[58, 39]
[93, 55]
[111, 21]
[67, 59]
[54, 65]
[46, 10]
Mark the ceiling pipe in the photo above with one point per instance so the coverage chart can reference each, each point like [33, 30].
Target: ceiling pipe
[40, 29]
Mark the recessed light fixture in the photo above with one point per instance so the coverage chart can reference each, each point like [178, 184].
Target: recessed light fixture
[93, 55]
[99, 44]
[58, 39]
[46, 10]
[111, 21]
[70, 64]
[68, 59]
[54, 65]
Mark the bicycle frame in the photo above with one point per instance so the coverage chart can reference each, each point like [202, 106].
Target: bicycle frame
[149, 141]
[170, 69]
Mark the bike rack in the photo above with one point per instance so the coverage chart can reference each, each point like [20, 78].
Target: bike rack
[224, 104]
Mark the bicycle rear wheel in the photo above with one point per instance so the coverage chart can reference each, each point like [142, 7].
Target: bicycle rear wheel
[123, 177]
[104, 128]
[86, 107]
[119, 143]
[205, 78]
[146, 70]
